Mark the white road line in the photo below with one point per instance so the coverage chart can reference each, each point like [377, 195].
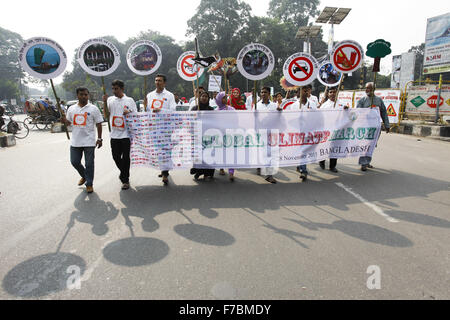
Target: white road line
[367, 203]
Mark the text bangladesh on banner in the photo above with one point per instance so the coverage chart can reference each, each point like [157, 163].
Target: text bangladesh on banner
[259, 139]
[391, 99]
[423, 100]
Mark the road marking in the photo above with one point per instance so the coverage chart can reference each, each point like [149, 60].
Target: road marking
[367, 203]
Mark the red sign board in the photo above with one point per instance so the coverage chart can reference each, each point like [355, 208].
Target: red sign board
[432, 101]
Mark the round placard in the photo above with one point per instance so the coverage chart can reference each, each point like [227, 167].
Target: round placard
[98, 57]
[347, 56]
[187, 68]
[42, 58]
[144, 57]
[328, 75]
[255, 61]
[300, 69]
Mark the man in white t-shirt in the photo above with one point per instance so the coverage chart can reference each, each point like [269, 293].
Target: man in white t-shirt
[119, 107]
[331, 104]
[263, 105]
[311, 98]
[84, 118]
[161, 100]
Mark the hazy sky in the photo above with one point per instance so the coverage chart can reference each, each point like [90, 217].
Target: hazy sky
[70, 23]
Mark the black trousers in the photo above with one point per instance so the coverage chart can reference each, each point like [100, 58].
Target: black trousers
[121, 155]
[333, 163]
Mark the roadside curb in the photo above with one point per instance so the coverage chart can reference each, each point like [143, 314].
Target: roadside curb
[421, 130]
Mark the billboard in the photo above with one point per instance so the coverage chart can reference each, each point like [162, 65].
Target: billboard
[437, 45]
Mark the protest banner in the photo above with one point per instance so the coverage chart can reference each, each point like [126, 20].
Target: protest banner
[246, 139]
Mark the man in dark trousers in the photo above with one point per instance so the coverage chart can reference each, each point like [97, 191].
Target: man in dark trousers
[119, 107]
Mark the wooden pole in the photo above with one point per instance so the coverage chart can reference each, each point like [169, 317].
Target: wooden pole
[339, 89]
[374, 86]
[59, 108]
[145, 93]
[255, 95]
[105, 107]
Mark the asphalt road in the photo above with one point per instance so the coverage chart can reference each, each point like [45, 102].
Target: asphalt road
[220, 240]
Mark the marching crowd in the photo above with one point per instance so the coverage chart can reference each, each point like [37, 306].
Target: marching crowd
[86, 118]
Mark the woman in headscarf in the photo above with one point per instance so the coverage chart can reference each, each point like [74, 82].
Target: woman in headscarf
[221, 101]
[203, 105]
[236, 100]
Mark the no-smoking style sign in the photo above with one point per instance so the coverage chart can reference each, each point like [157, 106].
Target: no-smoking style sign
[300, 69]
[347, 56]
[186, 67]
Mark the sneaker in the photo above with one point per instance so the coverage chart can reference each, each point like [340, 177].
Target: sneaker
[363, 168]
[271, 179]
[370, 166]
[304, 176]
[222, 172]
[334, 170]
[82, 181]
[125, 186]
[322, 165]
[89, 189]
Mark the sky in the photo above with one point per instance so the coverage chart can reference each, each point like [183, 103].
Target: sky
[71, 23]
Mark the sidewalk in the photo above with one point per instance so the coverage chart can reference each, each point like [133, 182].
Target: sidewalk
[423, 129]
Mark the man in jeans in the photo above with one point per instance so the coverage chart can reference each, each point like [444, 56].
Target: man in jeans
[84, 117]
[119, 106]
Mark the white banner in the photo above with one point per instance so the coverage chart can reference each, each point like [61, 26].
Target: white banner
[214, 83]
[345, 98]
[423, 100]
[250, 139]
[391, 99]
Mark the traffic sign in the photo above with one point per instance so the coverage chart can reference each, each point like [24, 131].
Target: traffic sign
[186, 67]
[287, 104]
[432, 101]
[347, 56]
[391, 111]
[98, 57]
[255, 61]
[300, 69]
[328, 75]
[42, 58]
[144, 57]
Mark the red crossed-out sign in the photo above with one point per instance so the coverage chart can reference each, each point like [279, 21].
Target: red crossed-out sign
[301, 69]
[347, 57]
[186, 66]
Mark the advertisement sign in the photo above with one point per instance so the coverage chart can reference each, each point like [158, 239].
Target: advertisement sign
[437, 45]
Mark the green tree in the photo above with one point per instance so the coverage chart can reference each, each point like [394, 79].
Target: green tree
[295, 12]
[217, 25]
